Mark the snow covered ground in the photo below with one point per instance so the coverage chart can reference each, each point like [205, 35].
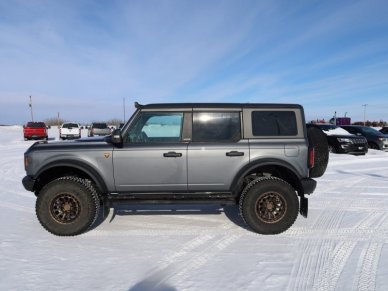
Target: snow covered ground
[343, 245]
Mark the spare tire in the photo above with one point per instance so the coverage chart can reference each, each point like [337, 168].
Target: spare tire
[318, 141]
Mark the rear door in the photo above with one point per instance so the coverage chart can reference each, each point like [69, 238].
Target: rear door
[216, 152]
[154, 156]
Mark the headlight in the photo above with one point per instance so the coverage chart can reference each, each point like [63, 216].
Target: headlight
[348, 140]
[381, 138]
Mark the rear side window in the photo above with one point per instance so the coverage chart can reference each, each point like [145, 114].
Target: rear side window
[100, 125]
[70, 125]
[36, 124]
[216, 126]
[274, 123]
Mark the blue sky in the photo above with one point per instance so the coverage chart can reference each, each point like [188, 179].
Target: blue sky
[81, 58]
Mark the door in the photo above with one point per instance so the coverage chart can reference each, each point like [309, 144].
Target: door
[216, 152]
[153, 157]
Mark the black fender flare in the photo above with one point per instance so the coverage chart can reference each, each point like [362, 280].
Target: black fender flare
[238, 179]
[79, 165]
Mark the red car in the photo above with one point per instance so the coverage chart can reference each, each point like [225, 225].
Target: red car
[35, 130]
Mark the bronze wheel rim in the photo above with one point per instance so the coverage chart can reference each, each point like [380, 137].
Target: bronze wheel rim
[271, 207]
[65, 208]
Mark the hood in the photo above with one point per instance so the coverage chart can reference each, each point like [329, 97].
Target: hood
[90, 143]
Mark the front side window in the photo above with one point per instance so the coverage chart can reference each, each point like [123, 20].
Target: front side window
[216, 127]
[156, 127]
[274, 123]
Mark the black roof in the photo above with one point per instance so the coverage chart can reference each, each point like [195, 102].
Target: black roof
[215, 105]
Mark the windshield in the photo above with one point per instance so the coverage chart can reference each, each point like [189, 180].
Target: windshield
[327, 126]
[369, 130]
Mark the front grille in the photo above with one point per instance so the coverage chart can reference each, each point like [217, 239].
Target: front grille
[359, 141]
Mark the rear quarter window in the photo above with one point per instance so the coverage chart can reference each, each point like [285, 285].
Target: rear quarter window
[274, 123]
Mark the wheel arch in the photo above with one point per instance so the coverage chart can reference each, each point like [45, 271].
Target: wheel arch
[277, 168]
[62, 168]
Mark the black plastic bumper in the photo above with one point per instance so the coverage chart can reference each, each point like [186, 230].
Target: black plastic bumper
[308, 185]
[28, 183]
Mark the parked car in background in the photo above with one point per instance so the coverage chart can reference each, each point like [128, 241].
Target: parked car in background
[99, 128]
[341, 141]
[384, 130]
[35, 130]
[69, 130]
[376, 139]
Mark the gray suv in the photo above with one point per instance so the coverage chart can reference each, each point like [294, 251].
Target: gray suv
[259, 156]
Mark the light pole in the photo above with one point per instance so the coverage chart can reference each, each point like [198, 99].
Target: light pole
[30, 105]
[124, 108]
[364, 105]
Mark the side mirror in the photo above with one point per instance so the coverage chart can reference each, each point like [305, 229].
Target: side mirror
[116, 136]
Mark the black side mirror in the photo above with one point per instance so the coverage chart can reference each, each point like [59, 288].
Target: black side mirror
[116, 137]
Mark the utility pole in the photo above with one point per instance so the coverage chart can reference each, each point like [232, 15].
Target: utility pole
[124, 108]
[364, 105]
[58, 120]
[30, 105]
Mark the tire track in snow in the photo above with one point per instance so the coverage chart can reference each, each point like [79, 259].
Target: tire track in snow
[305, 271]
[366, 272]
[179, 266]
[322, 266]
[203, 258]
[334, 266]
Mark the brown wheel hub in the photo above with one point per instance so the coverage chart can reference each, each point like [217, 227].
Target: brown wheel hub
[65, 208]
[271, 207]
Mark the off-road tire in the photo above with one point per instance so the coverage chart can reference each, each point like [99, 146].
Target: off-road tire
[317, 140]
[281, 214]
[67, 206]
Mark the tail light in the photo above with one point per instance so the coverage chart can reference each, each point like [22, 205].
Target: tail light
[311, 158]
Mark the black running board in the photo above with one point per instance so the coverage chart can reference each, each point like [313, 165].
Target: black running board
[173, 198]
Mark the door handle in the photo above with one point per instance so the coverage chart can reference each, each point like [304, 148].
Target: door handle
[234, 154]
[172, 155]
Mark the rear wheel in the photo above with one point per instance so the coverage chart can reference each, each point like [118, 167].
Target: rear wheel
[67, 206]
[269, 205]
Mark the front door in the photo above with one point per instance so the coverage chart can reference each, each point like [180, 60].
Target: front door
[153, 157]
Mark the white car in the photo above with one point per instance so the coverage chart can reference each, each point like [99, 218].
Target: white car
[69, 130]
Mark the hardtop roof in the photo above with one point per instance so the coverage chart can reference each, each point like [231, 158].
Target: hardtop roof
[215, 105]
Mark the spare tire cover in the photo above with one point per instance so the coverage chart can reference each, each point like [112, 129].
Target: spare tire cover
[318, 140]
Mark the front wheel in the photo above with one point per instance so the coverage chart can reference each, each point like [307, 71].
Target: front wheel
[67, 206]
[269, 205]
